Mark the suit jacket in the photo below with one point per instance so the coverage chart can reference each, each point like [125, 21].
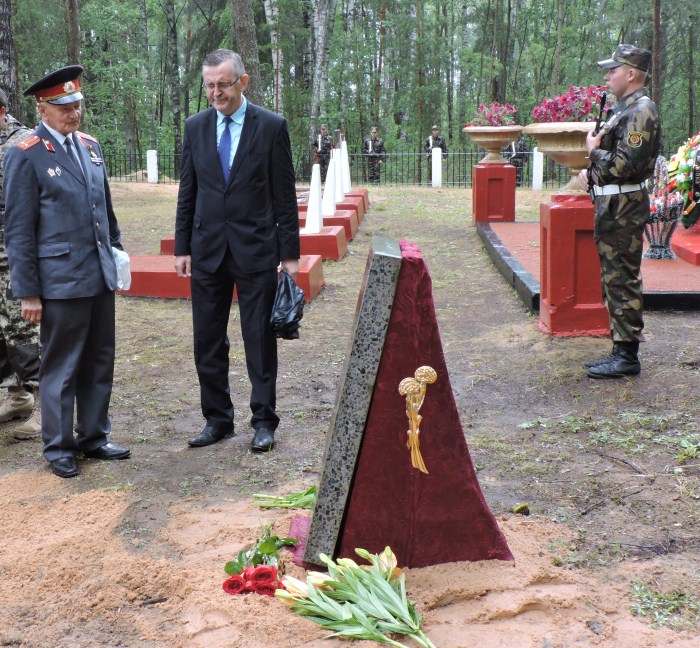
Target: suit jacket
[255, 213]
[59, 224]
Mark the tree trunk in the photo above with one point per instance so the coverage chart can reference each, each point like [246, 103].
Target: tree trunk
[146, 74]
[172, 74]
[323, 22]
[557, 52]
[272, 19]
[380, 61]
[692, 42]
[8, 63]
[656, 55]
[247, 47]
[73, 31]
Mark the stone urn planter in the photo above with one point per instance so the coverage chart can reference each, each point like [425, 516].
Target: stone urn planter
[565, 143]
[493, 139]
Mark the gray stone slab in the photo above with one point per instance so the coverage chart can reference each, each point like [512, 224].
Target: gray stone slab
[354, 395]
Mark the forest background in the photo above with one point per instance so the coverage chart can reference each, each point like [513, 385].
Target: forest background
[397, 64]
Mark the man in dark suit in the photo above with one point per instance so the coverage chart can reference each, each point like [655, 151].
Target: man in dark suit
[236, 220]
[59, 231]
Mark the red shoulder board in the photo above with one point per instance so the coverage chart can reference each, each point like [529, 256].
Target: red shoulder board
[28, 142]
[86, 136]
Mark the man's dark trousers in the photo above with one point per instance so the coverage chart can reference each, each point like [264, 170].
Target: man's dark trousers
[212, 294]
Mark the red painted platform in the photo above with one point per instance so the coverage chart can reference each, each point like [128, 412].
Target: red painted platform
[686, 244]
[330, 242]
[522, 240]
[343, 217]
[155, 276]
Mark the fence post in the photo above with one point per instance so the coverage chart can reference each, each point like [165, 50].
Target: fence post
[537, 169]
[152, 166]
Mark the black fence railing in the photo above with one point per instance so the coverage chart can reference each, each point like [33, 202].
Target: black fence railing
[403, 168]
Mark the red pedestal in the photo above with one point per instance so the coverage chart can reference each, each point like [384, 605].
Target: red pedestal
[155, 276]
[330, 242]
[571, 301]
[686, 244]
[346, 218]
[493, 193]
[360, 192]
[427, 519]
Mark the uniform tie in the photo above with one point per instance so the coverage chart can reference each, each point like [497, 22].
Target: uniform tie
[225, 148]
[72, 154]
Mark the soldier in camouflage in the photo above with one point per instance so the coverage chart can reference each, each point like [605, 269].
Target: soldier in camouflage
[622, 157]
[19, 339]
[323, 145]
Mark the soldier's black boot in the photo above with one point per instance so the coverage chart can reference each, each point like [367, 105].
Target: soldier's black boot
[599, 361]
[624, 362]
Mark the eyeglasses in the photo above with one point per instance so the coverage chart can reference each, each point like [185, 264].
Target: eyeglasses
[223, 85]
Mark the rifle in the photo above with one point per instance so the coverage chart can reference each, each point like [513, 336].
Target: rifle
[596, 130]
[603, 101]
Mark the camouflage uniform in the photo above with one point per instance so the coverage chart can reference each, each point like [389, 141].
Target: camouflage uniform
[19, 340]
[323, 154]
[374, 150]
[626, 155]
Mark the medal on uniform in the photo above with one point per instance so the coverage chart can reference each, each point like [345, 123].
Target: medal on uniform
[51, 172]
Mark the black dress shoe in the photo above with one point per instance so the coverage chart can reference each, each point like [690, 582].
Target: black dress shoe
[108, 452]
[64, 467]
[208, 436]
[263, 440]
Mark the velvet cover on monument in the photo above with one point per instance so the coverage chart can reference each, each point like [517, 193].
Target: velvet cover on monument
[430, 518]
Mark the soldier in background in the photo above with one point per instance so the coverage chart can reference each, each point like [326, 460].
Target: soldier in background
[323, 145]
[434, 140]
[19, 339]
[622, 157]
[373, 149]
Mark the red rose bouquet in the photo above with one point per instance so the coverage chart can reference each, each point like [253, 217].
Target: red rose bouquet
[257, 570]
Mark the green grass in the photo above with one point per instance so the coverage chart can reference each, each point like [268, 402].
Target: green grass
[675, 610]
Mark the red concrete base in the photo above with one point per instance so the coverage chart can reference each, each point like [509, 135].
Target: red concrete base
[493, 193]
[570, 296]
[330, 242]
[350, 203]
[167, 245]
[361, 191]
[154, 276]
[686, 244]
[347, 219]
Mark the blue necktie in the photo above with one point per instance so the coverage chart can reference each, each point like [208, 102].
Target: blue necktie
[73, 155]
[225, 148]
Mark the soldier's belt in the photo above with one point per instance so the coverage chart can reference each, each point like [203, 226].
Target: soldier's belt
[613, 189]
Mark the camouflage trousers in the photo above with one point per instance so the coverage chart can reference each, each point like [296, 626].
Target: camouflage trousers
[19, 340]
[619, 234]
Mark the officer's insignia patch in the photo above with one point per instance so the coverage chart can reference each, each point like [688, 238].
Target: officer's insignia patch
[49, 146]
[634, 139]
[28, 142]
[52, 173]
[58, 171]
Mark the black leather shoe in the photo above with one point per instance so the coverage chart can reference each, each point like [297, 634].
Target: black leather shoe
[263, 440]
[208, 436]
[64, 467]
[624, 362]
[109, 451]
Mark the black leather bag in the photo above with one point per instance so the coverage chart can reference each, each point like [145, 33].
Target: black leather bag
[288, 308]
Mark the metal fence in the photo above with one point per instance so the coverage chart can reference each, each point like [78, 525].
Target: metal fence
[403, 168]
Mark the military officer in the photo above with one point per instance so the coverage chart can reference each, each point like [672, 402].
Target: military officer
[323, 145]
[19, 339]
[434, 140]
[373, 149]
[59, 231]
[622, 157]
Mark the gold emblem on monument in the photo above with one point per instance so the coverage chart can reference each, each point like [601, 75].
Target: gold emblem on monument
[414, 391]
